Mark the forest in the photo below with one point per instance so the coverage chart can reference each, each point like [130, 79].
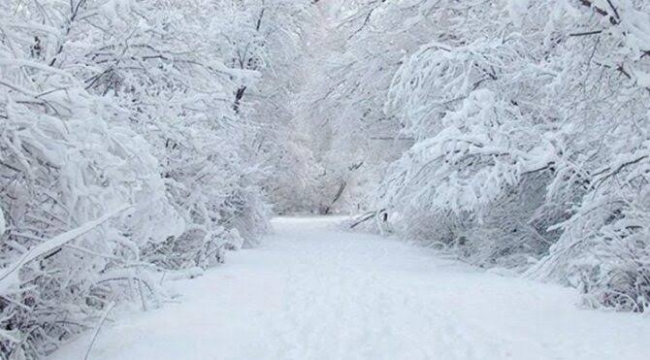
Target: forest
[142, 139]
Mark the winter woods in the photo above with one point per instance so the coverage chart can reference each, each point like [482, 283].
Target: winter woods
[143, 137]
[528, 122]
[127, 150]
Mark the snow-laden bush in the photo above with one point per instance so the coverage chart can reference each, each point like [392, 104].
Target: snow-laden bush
[65, 165]
[481, 179]
[156, 63]
[530, 131]
[481, 159]
[120, 155]
[604, 248]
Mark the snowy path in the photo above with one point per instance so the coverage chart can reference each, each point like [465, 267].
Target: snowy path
[311, 292]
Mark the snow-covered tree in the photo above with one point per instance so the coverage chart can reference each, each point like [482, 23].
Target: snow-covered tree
[120, 155]
[526, 126]
[271, 38]
[67, 162]
[603, 247]
[522, 104]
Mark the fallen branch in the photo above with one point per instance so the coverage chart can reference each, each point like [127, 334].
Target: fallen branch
[365, 217]
[99, 326]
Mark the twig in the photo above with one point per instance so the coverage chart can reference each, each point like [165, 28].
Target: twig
[99, 326]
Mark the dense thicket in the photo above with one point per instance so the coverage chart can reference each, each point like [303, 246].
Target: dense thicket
[130, 146]
[143, 137]
[525, 125]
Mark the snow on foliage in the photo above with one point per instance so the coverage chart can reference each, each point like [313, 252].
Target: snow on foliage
[125, 150]
[138, 137]
[527, 122]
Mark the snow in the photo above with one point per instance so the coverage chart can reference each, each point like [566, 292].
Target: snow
[517, 10]
[3, 225]
[314, 292]
[9, 274]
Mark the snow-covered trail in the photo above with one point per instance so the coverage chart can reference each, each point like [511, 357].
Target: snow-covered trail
[312, 292]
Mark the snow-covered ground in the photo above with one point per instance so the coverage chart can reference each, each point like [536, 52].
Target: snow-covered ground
[312, 292]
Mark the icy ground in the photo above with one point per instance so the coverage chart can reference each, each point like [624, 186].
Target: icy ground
[312, 292]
